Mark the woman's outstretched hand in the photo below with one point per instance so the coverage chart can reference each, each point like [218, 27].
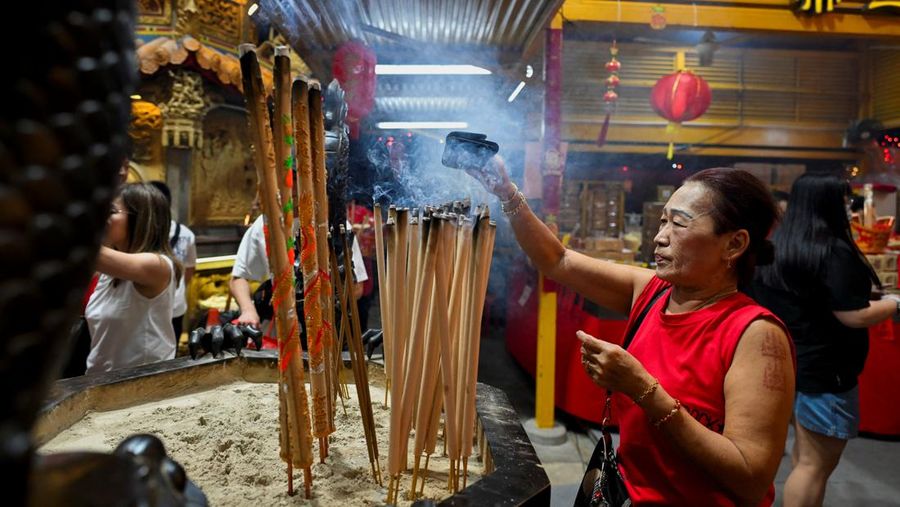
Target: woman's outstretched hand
[494, 178]
[612, 367]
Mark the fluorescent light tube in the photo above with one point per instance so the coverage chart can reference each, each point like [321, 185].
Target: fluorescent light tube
[422, 125]
[430, 70]
[515, 93]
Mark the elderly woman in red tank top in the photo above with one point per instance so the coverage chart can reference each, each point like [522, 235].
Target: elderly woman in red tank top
[703, 393]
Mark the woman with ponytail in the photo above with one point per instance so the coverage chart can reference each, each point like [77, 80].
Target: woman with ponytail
[703, 392]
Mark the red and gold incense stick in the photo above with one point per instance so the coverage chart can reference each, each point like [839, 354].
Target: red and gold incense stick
[296, 442]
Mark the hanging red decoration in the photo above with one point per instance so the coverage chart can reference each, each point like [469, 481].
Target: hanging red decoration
[354, 68]
[610, 97]
[680, 97]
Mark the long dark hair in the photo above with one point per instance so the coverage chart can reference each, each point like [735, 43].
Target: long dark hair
[741, 201]
[149, 219]
[814, 224]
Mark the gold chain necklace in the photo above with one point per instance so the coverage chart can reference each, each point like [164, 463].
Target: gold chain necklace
[716, 297]
[707, 302]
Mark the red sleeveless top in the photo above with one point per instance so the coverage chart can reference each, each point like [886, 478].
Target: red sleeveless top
[689, 353]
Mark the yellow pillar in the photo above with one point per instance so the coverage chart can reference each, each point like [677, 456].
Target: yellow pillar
[546, 357]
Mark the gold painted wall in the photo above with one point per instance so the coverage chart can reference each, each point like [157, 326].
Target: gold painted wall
[223, 182]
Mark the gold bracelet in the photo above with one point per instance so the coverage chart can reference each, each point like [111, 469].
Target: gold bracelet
[647, 392]
[511, 199]
[520, 198]
[659, 422]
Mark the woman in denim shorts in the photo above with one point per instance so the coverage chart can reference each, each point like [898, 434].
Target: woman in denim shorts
[820, 286]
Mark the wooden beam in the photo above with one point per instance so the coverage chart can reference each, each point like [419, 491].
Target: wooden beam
[713, 151]
[753, 87]
[759, 135]
[759, 17]
[532, 43]
[713, 139]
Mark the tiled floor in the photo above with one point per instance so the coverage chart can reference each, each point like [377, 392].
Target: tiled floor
[868, 475]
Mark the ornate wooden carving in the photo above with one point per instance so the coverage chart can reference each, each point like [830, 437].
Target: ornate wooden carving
[154, 12]
[187, 19]
[221, 19]
[183, 112]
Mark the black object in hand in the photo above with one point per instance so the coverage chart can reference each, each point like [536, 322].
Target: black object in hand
[468, 150]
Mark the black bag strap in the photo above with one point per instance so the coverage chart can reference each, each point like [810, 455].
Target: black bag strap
[640, 318]
[174, 240]
[629, 336]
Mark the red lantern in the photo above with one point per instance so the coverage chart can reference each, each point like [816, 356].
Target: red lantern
[354, 67]
[680, 97]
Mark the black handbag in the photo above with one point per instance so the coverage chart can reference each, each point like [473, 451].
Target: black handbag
[603, 484]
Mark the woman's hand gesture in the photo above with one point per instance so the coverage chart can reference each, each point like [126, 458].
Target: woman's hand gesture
[494, 178]
[612, 367]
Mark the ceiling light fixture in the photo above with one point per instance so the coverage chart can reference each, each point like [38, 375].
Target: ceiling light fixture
[529, 71]
[398, 70]
[515, 93]
[411, 125]
[252, 10]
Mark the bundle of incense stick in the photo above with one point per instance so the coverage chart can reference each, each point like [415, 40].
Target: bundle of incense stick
[296, 441]
[357, 359]
[434, 271]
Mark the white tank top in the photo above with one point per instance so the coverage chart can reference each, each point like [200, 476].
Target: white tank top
[127, 328]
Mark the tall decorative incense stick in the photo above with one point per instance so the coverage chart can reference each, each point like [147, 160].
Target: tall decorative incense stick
[296, 442]
[320, 354]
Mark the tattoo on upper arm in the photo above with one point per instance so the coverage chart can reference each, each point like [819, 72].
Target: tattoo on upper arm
[772, 349]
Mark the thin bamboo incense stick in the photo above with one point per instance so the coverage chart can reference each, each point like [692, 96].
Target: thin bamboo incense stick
[465, 344]
[462, 289]
[418, 237]
[390, 230]
[484, 252]
[397, 458]
[416, 351]
[383, 301]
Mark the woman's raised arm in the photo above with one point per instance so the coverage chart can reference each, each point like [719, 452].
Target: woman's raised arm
[611, 285]
[149, 272]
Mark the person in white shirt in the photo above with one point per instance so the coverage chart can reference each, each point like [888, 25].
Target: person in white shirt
[184, 246]
[129, 313]
[251, 263]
